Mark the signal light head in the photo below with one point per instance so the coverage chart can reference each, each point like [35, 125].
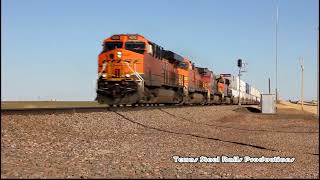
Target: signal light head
[239, 62]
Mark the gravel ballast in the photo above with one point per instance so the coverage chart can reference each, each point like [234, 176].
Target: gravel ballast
[141, 142]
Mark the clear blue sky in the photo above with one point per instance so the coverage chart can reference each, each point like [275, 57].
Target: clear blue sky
[50, 47]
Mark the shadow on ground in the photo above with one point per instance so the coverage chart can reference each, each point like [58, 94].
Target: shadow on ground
[248, 109]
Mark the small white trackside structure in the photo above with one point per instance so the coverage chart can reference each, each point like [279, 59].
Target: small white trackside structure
[268, 103]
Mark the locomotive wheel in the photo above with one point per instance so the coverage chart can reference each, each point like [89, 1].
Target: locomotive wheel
[216, 99]
[235, 101]
[103, 100]
[228, 100]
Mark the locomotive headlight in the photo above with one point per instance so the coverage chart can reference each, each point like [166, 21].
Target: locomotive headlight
[127, 75]
[104, 75]
[119, 54]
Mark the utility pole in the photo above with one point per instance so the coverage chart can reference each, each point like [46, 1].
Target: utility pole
[302, 68]
[269, 86]
[277, 20]
[318, 74]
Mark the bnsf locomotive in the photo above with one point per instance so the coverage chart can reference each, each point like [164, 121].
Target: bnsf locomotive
[134, 70]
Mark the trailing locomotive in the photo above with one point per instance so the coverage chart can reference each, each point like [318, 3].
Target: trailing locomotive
[134, 70]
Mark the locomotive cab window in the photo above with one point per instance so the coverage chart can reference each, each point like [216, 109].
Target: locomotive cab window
[220, 80]
[111, 45]
[137, 47]
[227, 81]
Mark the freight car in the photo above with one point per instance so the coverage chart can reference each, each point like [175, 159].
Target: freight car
[135, 70]
[248, 94]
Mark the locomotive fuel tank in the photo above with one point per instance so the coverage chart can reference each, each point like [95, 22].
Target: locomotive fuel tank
[164, 96]
[196, 98]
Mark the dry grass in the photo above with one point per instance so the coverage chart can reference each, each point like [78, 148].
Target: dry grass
[47, 104]
[307, 108]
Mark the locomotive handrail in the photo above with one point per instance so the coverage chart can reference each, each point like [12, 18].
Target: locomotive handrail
[137, 75]
[100, 73]
[135, 72]
[103, 68]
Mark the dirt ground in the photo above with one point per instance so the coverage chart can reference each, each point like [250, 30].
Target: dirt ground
[141, 143]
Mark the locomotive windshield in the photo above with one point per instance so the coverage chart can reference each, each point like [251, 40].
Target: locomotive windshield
[137, 47]
[111, 45]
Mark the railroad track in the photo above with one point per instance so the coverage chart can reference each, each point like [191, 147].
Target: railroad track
[92, 109]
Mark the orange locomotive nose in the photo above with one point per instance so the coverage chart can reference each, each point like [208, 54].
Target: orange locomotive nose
[122, 56]
[221, 87]
[112, 55]
[120, 63]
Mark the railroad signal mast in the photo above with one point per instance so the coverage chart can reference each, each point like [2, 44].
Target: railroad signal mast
[241, 64]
